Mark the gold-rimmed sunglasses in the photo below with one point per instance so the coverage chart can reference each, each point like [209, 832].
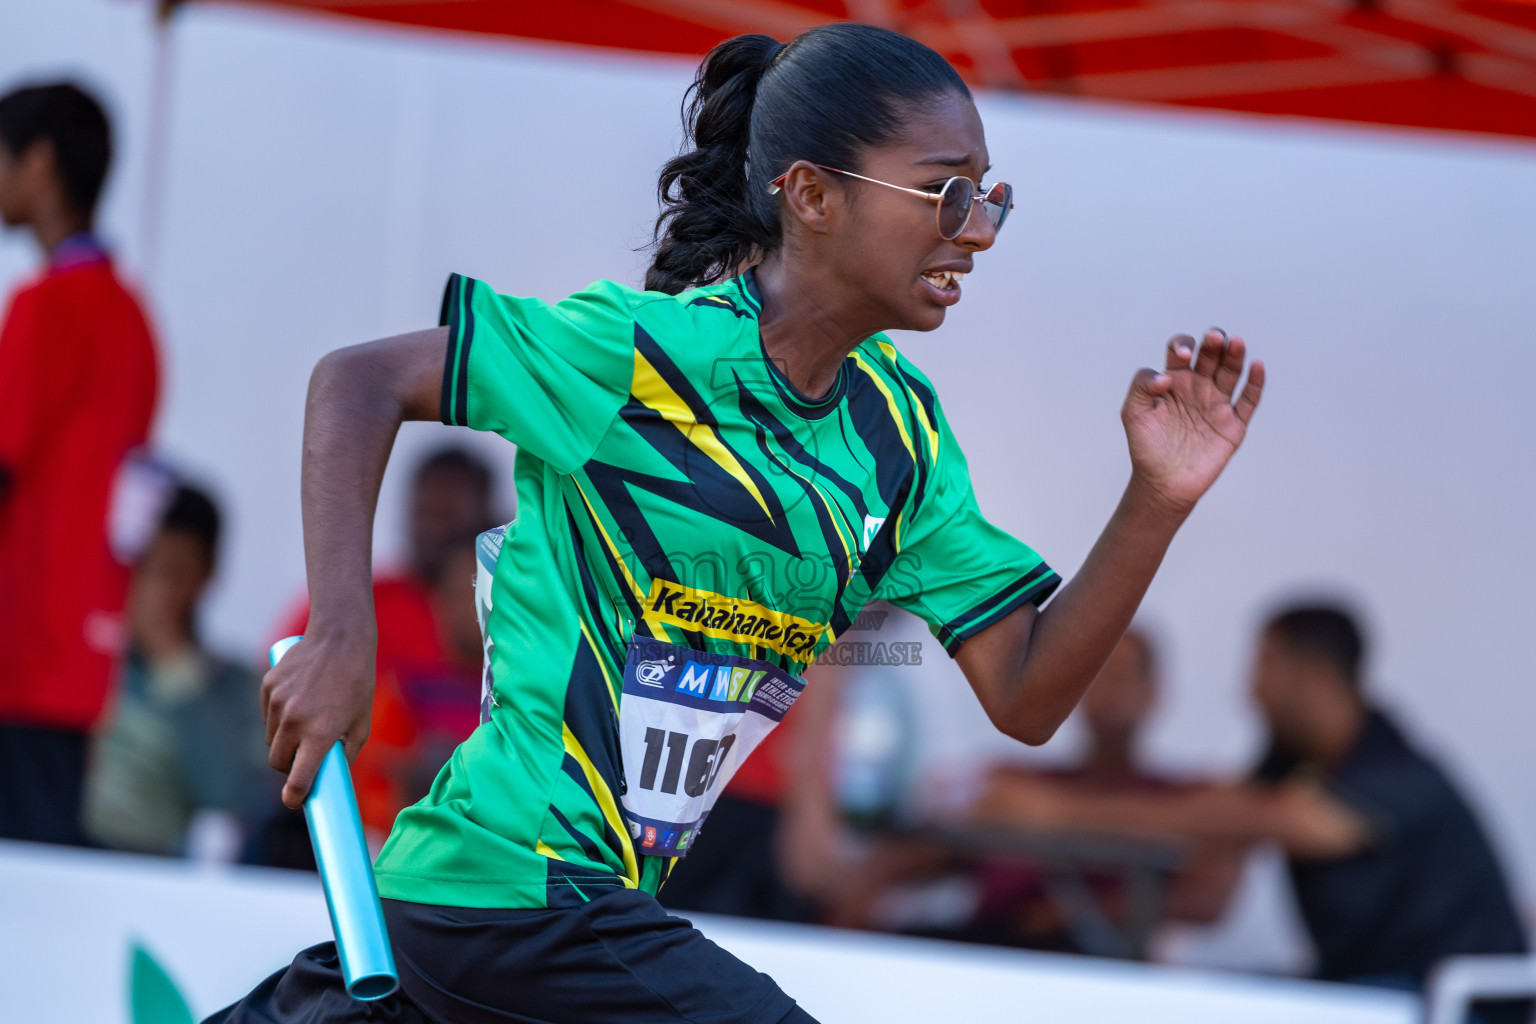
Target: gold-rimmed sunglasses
[956, 199]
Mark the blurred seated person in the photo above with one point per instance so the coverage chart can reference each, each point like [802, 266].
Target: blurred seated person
[182, 740]
[1016, 906]
[1009, 898]
[1391, 870]
[427, 690]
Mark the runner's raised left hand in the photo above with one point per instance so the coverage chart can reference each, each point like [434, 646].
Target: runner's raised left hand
[1183, 424]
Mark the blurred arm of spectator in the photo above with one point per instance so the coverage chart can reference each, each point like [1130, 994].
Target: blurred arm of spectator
[1203, 888]
[1301, 817]
[1297, 813]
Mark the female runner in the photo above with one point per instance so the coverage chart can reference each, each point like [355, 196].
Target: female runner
[714, 475]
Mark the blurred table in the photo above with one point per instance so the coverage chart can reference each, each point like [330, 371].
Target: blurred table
[1070, 865]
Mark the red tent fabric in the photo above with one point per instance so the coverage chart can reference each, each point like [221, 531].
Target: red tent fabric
[1467, 65]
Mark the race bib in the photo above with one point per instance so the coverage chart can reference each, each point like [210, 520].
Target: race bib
[687, 720]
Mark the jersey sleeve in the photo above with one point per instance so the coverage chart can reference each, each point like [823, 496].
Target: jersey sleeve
[954, 569]
[550, 378]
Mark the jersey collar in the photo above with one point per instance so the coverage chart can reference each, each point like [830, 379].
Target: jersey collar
[811, 409]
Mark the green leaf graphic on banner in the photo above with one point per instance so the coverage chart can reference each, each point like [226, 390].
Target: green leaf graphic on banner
[152, 994]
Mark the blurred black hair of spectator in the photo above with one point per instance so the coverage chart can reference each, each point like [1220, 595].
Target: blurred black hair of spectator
[451, 494]
[70, 121]
[192, 512]
[1326, 631]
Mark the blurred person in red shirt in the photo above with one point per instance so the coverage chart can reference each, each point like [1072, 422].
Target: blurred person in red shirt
[427, 689]
[78, 385]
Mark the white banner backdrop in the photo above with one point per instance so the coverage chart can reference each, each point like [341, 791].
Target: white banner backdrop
[72, 919]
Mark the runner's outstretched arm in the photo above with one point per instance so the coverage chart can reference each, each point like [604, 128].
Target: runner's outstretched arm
[322, 690]
[1030, 668]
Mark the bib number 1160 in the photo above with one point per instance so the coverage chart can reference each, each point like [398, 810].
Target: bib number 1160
[704, 761]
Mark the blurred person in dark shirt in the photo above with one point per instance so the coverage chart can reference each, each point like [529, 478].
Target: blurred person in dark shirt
[1408, 877]
[78, 384]
[183, 737]
[427, 687]
[1391, 869]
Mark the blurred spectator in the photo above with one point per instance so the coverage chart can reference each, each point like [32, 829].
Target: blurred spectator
[1017, 906]
[78, 382]
[1017, 880]
[1397, 874]
[1391, 869]
[427, 694]
[184, 736]
[1114, 711]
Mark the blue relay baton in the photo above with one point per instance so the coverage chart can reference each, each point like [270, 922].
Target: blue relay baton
[346, 872]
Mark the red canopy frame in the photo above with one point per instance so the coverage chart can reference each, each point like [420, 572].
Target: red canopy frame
[1464, 65]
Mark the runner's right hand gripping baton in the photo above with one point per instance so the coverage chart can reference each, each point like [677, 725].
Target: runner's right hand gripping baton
[346, 871]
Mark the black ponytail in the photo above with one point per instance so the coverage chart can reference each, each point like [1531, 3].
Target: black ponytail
[755, 107]
[701, 234]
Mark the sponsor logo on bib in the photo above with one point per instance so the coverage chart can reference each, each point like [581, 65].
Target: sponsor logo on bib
[719, 682]
[653, 673]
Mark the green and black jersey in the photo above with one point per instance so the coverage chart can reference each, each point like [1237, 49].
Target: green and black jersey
[672, 484]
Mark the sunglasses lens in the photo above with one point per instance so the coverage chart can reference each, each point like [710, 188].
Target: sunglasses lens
[955, 206]
[997, 202]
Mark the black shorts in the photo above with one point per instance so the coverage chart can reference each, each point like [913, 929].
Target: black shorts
[620, 957]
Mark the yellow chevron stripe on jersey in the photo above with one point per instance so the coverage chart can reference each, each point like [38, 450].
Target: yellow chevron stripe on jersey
[922, 414]
[831, 513]
[606, 804]
[543, 849]
[933, 435]
[655, 393]
[613, 549]
[890, 400]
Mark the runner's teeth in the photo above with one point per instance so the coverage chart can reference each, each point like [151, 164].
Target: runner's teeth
[942, 279]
